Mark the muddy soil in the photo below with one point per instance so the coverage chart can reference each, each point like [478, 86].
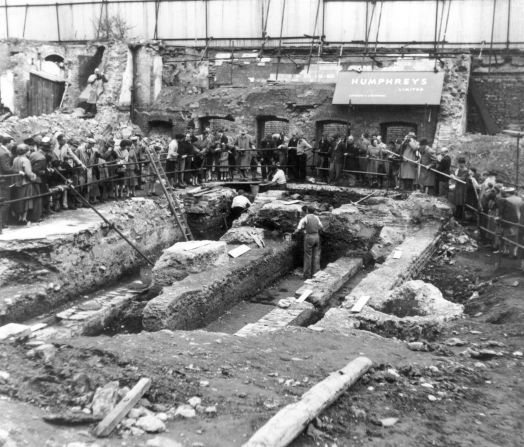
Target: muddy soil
[441, 397]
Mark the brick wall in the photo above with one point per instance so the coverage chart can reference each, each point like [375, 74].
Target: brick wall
[503, 94]
[245, 91]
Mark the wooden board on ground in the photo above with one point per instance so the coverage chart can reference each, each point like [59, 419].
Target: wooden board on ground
[239, 251]
[106, 426]
[304, 295]
[361, 302]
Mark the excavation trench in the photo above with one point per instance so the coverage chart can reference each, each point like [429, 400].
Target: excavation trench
[207, 289]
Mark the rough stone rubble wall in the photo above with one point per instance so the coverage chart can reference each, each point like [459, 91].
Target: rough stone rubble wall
[452, 117]
[18, 58]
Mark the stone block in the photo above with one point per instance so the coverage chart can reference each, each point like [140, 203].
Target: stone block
[328, 281]
[189, 257]
[243, 235]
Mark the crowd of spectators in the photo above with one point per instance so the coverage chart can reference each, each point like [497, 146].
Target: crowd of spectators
[38, 173]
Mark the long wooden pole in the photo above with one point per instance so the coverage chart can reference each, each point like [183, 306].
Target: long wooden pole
[430, 169]
[289, 422]
[110, 224]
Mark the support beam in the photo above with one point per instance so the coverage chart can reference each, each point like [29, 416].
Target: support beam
[289, 422]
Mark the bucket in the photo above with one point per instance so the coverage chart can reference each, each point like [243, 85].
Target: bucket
[254, 189]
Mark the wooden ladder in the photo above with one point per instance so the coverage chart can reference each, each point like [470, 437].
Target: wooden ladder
[172, 198]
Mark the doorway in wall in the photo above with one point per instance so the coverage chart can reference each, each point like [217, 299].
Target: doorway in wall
[396, 130]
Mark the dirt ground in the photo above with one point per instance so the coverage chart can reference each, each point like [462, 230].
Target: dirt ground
[442, 396]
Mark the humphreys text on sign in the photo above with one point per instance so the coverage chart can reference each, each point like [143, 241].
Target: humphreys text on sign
[389, 88]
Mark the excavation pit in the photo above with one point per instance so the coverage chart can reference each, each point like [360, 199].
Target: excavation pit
[197, 285]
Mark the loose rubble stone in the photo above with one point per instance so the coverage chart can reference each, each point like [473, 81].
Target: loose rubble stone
[185, 411]
[416, 346]
[195, 401]
[388, 422]
[162, 442]
[211, 410]
[243, 235]
[4, 376]
[150, 424]
[47, 352]
[105, 399]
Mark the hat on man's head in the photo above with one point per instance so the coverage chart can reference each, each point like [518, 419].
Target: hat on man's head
[134, 138]
[443, 150]
[30, 141]
[46, 143]
[508, 190]
[91, 141]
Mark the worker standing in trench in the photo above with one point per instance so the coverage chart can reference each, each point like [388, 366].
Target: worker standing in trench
[311, 226]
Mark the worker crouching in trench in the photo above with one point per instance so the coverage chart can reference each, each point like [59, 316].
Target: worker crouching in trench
[311, 226]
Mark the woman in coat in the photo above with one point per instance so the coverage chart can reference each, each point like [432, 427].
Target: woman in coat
[23, 186]
[408, 169]
[374, 162]
[428, 158]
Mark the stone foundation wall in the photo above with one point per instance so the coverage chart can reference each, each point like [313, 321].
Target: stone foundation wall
[198, 299]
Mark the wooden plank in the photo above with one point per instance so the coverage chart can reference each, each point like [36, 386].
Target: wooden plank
[239, 251]
[106, 426]
[304, 295]
[289, 422]
[361, 302]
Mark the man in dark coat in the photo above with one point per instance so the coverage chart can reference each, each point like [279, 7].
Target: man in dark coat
[444, 166]
[6, 169]
[337, 159]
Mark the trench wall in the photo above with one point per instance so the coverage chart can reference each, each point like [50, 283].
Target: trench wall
[199, 299]
[55, 268]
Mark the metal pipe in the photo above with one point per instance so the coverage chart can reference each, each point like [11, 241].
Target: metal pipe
[518, 158]
[57, 22]
[492, 34]
[313, 37]
[25, 20]
[509, 24]
[6, 20]
[280, 40]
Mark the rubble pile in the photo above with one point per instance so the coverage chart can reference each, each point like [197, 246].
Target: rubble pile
[106, 124]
